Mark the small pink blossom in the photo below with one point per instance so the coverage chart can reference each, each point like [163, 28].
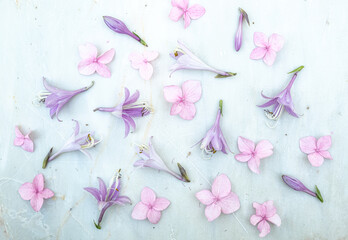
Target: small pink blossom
[267, 48]
[251, 154]
[150, 206]
[183, 98]
[23, 141]
[316, 150]
[90, 63]
[180, 8]
[142, 61]
[35, 192]
[219, 199]
[265, 213]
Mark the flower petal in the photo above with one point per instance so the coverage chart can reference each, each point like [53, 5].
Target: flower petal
[87, 67]
[107, 56]
[245, 145]
[176, 108]
[264, 228]
[187, 20]
[18, 141]
[102, 188]
[140, 211]
[315, 159]
[137, 59]
[270, 208]
[221, 186]
[154, 216]
[264, 149]
[161, 204]
[95, 192]
[188, 111]
[27, 191]
[28, 145]
[175, 14]
[258, 53]
[172, 93]
[103, 70]
[270, 57]
[88, 51]
[275, 219]
[150, 55]
[36, 202]
[38, 182]
[146, 71]
[242, 157]
[46, 193]
[325, 154]
[205, 197]
[229, 204]
[196, 11]
[148, 196]
[276, 42]
[212, 212]
[191, 90]
[255, 219]
[180, 3]
[260, 39]
[308, 144]
[254, 164]
[324, 143]
[260, 209]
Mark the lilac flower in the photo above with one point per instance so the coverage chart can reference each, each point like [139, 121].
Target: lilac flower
[185, 59]
[214, 139]
[128, 109]
[118, 26]
[108, 197]
[281, 101]
[298, 186]
[150, 159]
[239, 34]
[56, 98]
[77, 141]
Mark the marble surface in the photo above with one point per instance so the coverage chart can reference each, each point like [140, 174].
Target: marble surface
[41, 38]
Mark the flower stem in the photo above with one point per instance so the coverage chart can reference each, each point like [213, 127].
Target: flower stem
[183, 173]
[92, 84]
[318, 194]
[45, 161]
[140, 40]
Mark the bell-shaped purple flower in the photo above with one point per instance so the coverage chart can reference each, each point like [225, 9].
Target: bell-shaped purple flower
[281, 101]
[214, 139]
[108, 197]
[185, 59]
[118, 26]
[128, 109]
[299, 186]
[77, 142]
[149, 158]
[56, 98]
[239, 34]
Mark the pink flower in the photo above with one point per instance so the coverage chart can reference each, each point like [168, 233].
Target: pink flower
[23, 141]
[180, 8]
[219, 199]
[91, 63]
[267, 48]
[265, 212]
[183, 98]
[149, 207]
[251, 154]
[142, 61]
[316, 150]
[35, 192]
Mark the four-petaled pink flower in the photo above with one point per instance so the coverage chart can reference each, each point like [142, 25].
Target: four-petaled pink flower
[316, 150]
[149, 207]
[183, 98]
[180, 8]
[35, 192]
[23, 141]
[142, 61]
[265, 212]
[251, 154]
[91, 63]
[219, 199]
[267, 48]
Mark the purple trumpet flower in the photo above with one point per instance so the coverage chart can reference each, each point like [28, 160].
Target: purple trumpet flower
[150, 159]
[281, 101]
[239, 34]
[108, 197]
[185, 59]
[56, 98]
[214, 139]
[128, 109]
[299, 186]
[77, 142]
[118, 26]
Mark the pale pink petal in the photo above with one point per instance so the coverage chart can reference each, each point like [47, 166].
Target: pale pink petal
[36, 202]
[137, 59]
[255, 219]
[324, 143]
[107, 56]
[140, 211]
[175, 14]
[88, 51]
[27, 191]
[275, 219]
[196, 11]
[270, 208]
[161, 204]
[270, 57]
[260, 39]
[103, 70]
[150, 55]
[264, 228]
[148, 196]
[18, 132]
[18, 141]
[154, 216]
[28, 145]
[146, 71]
[176, 108]
[258, 53]
[87, 67]
[229, 204]
[187, 20]
[188, 111]
[308, 144]
[315, 159]
[221, 186]
[212, 212]
[245, 145]
[180, 3]
[264, 149]
[276, 42]
[254, 164]
[38, 182]
[205, 197]
[192, 90]
[172, 93]
[325, 154]
[46, 193]
[260, 209]
[243, 157]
